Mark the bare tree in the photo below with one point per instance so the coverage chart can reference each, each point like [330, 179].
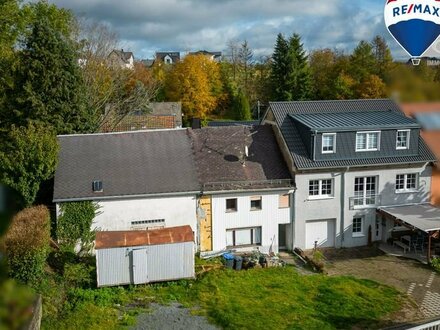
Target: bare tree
[113, 92]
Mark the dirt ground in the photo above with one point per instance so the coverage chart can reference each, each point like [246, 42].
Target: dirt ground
[411, 277]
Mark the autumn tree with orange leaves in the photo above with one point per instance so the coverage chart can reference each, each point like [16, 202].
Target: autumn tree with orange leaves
[195, 82]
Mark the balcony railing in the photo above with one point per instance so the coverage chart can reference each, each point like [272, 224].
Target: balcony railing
[364, 201]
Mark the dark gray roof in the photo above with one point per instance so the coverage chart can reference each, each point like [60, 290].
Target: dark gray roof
[124, 56]
[175, 56]
[349, 121]
[301, 157]
[220, 155]
[220, 123]
[128, 164]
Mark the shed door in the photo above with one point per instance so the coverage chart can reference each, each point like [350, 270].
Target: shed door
[322, 232]
[140, 266]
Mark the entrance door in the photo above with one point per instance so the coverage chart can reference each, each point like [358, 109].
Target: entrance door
[282, 237]
[140, 266]
[206, 224]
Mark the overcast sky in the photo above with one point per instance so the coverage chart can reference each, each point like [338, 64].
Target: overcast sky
[147, 26]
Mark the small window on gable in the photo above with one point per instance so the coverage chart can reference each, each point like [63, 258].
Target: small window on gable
[328, 143]
[255, 203]
[97, 186]
[231, 205]
[284, 201]
[402, 139]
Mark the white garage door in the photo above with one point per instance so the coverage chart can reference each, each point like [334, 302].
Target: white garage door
[322, 231]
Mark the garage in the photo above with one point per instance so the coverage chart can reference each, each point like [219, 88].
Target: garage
[321, 231]
[144, 256]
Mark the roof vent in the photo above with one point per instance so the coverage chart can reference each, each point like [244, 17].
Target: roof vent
[97, 186]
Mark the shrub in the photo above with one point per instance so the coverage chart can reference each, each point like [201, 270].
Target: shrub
[435, 263]
[15, 303]
[73, 225]
[27, 243]
[78, 275]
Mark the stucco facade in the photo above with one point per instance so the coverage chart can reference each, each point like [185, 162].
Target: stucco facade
[340, 205]
[120, 214]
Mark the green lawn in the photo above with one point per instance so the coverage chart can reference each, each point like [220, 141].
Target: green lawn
[276, 298]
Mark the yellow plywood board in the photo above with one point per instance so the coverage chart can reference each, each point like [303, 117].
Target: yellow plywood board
[206, 225]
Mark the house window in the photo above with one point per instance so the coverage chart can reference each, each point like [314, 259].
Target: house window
[358, 226]
[328, 143]
[365, 190]
[231, 205]
[406, 182]
[243, 237]
[148, 223]
[97, 186]
[402, 139]
[283, 201]
[321, 188]
[367, 141]
[255, 203]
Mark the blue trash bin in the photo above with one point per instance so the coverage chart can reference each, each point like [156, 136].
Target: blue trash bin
[229, 260]
[238, 262]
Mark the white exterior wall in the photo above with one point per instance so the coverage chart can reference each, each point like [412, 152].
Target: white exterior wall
[118, 214]
[268, 218]
[330, 208]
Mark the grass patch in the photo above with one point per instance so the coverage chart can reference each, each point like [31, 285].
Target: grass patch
[258, 298]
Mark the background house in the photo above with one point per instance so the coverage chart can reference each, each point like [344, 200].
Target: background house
[348, 158]
[163, 115]
[122, 59]
[168, 57]
[215, 56]
[139, 179]
[245, 200]
[428, 115]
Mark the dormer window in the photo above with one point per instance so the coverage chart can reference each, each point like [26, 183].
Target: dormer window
[402, 139]
[367, 141]
[97, 186]
[328, 143]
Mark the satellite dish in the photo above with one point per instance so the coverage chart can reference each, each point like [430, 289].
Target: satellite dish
[246, 151]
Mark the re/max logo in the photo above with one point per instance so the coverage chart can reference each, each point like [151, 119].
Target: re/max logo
[416, 9]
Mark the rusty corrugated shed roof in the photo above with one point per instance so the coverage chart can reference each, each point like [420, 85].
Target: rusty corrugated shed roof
[113, 239]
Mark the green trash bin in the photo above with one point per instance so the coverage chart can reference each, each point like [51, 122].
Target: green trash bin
[228, 260]
[238, 262]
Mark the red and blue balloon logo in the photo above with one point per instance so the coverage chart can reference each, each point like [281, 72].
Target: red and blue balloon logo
[414, 24]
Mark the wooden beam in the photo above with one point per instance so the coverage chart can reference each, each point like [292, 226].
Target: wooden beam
[429, 248]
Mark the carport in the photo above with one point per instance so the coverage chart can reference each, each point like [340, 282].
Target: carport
[421, 217]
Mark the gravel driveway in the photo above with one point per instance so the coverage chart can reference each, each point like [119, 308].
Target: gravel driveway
[172, 317]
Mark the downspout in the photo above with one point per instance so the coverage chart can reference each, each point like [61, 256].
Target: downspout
[342, 226]
[293, 216]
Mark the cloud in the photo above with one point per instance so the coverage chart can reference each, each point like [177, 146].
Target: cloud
[146, 26]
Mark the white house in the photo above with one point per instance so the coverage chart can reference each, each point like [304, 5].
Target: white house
[140, 179]
[246, 188]
[348, 159]
[121, 58]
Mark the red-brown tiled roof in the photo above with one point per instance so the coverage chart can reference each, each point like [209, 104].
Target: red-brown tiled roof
[113, 239]
[135, 123]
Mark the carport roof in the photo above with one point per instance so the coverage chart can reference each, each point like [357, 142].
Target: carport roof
[425, 217]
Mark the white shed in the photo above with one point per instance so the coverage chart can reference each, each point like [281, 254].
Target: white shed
[144, 256]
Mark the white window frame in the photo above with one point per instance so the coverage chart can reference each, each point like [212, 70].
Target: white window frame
[405, 183]
[367, 147]
[321, 195]
[251, 233]
[361, 232]
[334, 143]
[366, 194]
[407, 139]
